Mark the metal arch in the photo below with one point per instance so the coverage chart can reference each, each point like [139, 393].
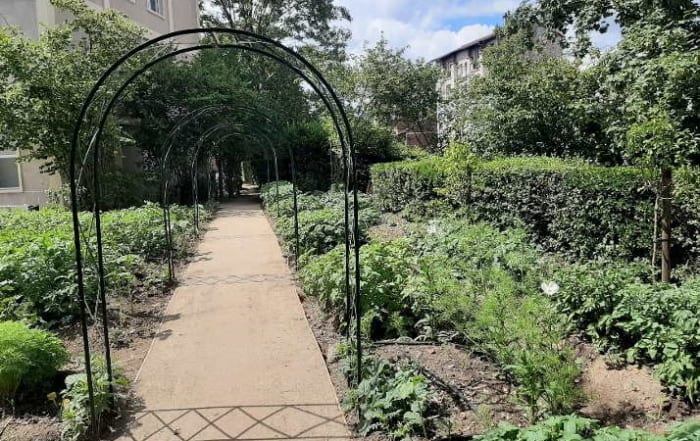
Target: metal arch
[344, 133]
[189, 118]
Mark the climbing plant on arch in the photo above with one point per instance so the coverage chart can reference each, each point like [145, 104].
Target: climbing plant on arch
[87, 137]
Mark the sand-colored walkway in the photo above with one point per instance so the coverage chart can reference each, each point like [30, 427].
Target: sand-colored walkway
[235, 358]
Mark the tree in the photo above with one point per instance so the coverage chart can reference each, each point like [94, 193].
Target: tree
[384, 86]
[307, 22]
[43, 83]
[528, 101]
[649, 85]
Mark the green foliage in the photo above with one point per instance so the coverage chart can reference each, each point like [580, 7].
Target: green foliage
[384, 267]
[566, 428]
[312, 22]
[651, 324]
[392, 398]
[75, 405]
[43, 82]
[37, 257]
[397, 184]
[484, 284]
[28, 358]
[529, 101]
[385, 87]
[321, 217]
[660, 325]
[570, 207]
[470, 279]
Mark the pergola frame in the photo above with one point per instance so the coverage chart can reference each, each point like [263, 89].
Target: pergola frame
[102, 100]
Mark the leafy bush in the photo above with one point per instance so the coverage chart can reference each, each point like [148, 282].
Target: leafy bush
[588, 292]
[649, 323]
[484, 284]
[392, 398]
[566, 206]
[472, 279]
[565, 428]
[37, 256]
[28, 358]
[75, 407]
[321, 218]
[660, 324]
[384, 269]
[272, 192]
[398, 184]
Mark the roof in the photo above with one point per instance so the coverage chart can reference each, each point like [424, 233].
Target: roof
[471, 44]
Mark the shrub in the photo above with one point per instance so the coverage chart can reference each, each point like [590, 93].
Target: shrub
[384, 268]
[37, 256]
[587, 293]
[392, 398]
[398, 184]
[649, 323]
[28, 358]
[75, 406]
[484, 283]
[321, 218]
[659, 324]
[566, 205]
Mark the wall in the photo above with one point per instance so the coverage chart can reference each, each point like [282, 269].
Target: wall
[30, 15]
[34, 186]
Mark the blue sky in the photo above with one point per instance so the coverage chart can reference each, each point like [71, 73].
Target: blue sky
[433, 27]
[429, 27]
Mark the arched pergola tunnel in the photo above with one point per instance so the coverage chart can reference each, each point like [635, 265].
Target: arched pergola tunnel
[263, 132]
[91, 124]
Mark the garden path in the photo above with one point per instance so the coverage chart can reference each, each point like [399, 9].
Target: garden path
[235, 358]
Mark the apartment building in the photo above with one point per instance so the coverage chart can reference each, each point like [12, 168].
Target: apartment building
[463, 62]
[22, 183]
[466, 62]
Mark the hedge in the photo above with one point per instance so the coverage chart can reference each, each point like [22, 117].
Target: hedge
[567, 206]
[398, 184]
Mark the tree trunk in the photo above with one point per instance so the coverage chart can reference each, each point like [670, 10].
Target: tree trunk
[666, 195]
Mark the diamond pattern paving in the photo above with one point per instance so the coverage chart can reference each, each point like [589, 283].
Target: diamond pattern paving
[323, 421]
[235, 333]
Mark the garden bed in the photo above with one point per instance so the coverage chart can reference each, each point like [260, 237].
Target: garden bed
[135, 312]
[530, 329]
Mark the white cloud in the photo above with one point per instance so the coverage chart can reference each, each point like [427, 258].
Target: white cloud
[424, 26]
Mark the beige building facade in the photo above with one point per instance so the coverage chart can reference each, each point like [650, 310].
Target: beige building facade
[22, 183]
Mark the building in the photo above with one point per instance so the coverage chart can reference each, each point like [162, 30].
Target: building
[22, 183]
[463, 62]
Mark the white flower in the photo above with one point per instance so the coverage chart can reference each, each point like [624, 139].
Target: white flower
[434, 227]
[549, 288]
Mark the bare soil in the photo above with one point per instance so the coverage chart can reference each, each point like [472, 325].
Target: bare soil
[628, 396]
[475, 397]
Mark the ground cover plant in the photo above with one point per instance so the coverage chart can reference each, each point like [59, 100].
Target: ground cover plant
[470, 281]
[37, 262]
[321, 217]
[598, 221]
[576, 428]
[29, 359]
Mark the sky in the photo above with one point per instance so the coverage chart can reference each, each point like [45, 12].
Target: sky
[431, 28]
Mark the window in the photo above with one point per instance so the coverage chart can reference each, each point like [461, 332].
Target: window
[9, 170]
[155, 6]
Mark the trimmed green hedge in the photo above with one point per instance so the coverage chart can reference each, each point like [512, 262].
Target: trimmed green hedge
[398, 184]
[567, 206]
